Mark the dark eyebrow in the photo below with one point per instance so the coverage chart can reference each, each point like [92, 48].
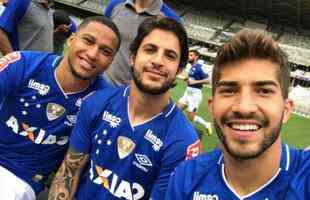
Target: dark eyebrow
[266, 83]
[227, 84]
[104, 46]
[88, 35]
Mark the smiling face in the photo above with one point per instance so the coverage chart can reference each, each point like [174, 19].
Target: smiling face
[91, 50]
[157, 61]
[248, 107]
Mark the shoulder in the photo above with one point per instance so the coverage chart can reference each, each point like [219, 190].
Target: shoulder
[192, 170]
[37, 57]
[31, 58]
[100, 98]
[168, 12]
[301, 165]
[301, 173]
[180, 125]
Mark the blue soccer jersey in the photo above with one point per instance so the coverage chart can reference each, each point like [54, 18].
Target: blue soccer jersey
[197, 72]
[14, 11]
[36, 116]
[203, 178]
[127, 162]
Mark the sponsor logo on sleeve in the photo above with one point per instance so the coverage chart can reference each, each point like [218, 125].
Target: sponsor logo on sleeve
[8, 59]
[193, 150]
[124, 146]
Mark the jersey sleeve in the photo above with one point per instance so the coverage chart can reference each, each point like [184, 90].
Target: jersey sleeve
[203, 72]
[14, 11]
[80, 139]
[175, 186]
[12, 69]
[183, 144]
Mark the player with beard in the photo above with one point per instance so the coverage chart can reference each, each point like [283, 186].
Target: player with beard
[40, 94]
[128, 141]
[249, 104]
[197, 77]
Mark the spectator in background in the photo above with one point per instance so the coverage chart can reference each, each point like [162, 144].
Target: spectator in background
[127, 15]
[26, 25]
[63, 28]
[192, 98]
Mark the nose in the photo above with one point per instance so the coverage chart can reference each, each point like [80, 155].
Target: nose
[245, 103]
[158, 59]
[92, 53]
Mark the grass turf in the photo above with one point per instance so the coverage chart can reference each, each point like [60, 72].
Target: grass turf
[295, 132]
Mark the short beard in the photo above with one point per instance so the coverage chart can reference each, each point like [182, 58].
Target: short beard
[148, 90]
[268, 141]
[74, 72]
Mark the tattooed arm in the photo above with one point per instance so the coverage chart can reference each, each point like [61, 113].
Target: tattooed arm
[66, 179]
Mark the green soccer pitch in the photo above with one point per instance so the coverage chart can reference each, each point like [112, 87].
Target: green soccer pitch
[296, 132]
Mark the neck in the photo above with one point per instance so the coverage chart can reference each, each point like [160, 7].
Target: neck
[67, 81]
[142, 4]
[144, 106]
[246, 176]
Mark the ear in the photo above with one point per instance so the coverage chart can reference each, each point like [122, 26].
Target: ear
[288, 109]
[70, 39]
[132, 60]
[210, 105]
[179, 70]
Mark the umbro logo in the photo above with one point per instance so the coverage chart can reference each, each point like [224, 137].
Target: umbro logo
[143, 162]
[112, 119]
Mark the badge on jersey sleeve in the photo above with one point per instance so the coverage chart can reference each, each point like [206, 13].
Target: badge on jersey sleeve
[193, 150]
[53, 111]
[8, 59]
[124, 146]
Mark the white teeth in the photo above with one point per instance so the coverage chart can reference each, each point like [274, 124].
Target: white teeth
[245, 127]
[86, 64]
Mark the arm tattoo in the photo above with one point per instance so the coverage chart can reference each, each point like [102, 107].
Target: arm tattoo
[66, 179]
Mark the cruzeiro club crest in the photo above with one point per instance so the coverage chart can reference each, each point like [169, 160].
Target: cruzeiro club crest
[124, 146]
[53, 111]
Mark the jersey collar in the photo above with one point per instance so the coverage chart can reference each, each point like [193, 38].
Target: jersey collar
[284, 167]
[168, 110]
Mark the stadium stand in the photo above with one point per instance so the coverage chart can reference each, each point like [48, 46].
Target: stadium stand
[212, 23]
